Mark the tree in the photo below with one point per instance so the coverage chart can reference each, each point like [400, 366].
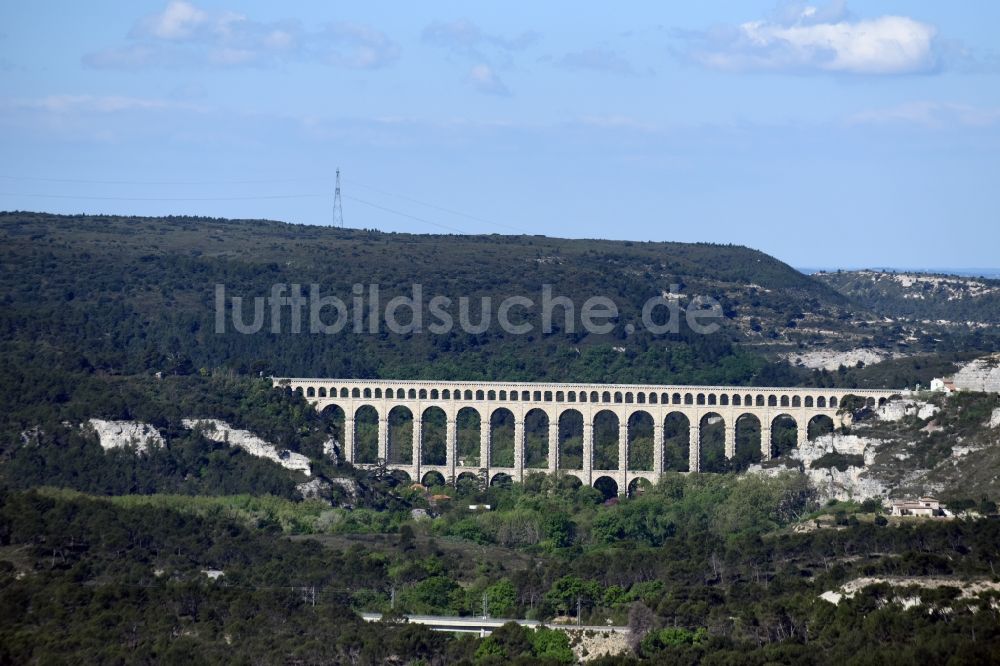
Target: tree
[640, 622]
[501, 597]
[552, 644]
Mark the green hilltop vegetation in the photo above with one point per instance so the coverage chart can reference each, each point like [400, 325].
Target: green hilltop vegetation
[123, 296]
[924, 296]
[132, 295]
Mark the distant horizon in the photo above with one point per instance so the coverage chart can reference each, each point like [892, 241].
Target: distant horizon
[972, 271]
[720, 121]
[988, 273]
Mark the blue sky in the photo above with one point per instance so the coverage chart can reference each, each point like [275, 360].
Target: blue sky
[856, 134]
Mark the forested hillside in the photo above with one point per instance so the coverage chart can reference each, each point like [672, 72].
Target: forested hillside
[920, 296]
[133, 295]
[702, 569]
[198, 551]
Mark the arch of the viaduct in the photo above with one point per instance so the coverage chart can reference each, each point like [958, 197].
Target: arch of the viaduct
[630, 404]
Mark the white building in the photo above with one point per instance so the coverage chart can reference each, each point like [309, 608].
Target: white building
[925, 506]
[942, 385]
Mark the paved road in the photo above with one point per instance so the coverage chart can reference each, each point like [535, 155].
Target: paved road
[484, 626]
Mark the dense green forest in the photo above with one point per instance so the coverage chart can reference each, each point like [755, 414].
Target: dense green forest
[105, 556]
[134, 295]
[95, 297]
[700, 567]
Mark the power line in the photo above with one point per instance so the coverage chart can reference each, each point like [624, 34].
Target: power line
[85, 181]
[242, 198]
[338, 213]
[99, 198]
[397, 212]
[89, 181]
[436, 207]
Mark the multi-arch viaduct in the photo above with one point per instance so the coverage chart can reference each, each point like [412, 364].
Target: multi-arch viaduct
[555, 401]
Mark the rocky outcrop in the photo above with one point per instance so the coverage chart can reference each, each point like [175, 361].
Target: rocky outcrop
[832, 360]
[831, 483]
[349, 485]
[854, 483]
[222, 432]
[331, 449]
[312, 489]
[121, 434]
[852, 445]
[982, 374]
[851, 483]
[995, 418]
[897, 410]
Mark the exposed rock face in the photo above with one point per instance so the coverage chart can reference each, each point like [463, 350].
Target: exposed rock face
[349, 486]
[837, 443]
[995, 419]
[312, 489]
[853, 483]
[897, 410]
[220, 431]
[832, 360]
[120, 434]
[593, 644]
[31, 436]
[982, 374]
[331, 449]
[830, 483]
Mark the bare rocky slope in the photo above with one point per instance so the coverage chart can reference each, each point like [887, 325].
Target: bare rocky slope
[920, 296]
[928, 444]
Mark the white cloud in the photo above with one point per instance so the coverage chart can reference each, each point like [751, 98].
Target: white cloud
[363, 46]
[185, 35]
[178, 20]
[929, 114]
[487, 51]
[485, 80]
[809, 38]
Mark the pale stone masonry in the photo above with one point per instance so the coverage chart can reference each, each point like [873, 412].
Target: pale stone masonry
[696, 403]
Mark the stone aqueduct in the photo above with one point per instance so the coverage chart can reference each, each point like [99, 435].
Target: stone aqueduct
[554, 400]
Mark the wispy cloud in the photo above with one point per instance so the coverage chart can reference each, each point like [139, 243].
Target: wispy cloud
[485, 80]
[617, 122]
[938, 115]
[597, 59]
[183, 34]
[72, 104]
[487, 51]
[464, 37]
[807, 38]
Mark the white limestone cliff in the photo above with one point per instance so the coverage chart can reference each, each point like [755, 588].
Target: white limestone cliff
[120, 434]
[312, 489]
[222, 432]
[897, 410]
[854, 482]
[982, 374]
[830, 483]
[832, 360]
